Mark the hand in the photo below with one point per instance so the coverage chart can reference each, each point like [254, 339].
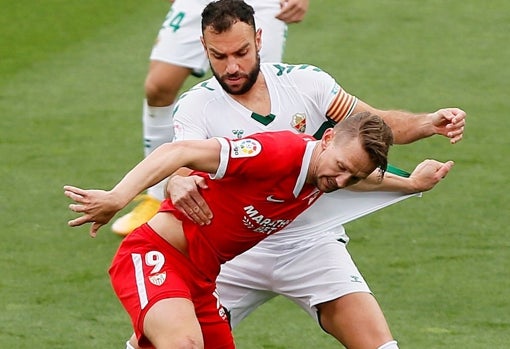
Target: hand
[428, 173]
[183, 191]
[449, 122]
[292, 11]
[97, 207]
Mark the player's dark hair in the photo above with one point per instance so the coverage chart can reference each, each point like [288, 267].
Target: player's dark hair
[222, 14]
[373, 133]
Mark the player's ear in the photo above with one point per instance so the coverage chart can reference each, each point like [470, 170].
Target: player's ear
[327, 137]
[203, 44]
[258, 39]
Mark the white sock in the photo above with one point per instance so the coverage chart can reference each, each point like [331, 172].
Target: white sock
[129, 346]
[158, 128]
[389, 345]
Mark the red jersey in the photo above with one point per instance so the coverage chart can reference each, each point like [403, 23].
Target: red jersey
[258, 190]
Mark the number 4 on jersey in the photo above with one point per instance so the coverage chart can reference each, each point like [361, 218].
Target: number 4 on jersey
[173, 20]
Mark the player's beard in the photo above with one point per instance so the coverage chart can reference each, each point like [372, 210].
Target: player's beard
[251, 78]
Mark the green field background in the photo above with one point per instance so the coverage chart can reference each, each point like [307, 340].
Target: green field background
[71, 89]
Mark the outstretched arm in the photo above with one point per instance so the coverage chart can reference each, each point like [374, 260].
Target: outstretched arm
[424, 177]
[408, 127]
[99, 206]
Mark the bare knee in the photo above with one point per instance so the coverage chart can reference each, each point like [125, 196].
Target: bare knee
[172, 323]
[181, 343]
[163, 83]
[175, 343]
[172, 342]
[165, 340]
[159, 93]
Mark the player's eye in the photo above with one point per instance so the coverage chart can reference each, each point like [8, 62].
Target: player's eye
[218, 56]
[242, 53]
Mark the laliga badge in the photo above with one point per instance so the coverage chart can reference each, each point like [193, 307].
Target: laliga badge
[298, 122]
[245, 148]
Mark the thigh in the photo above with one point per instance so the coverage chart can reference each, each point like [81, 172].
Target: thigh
[348, 316]
[145, 271]
[244, 283]
[172, 323]
[163, 82]
[318, 273]
[213, 318]
[200, 322]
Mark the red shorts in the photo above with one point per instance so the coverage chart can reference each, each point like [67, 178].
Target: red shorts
[146, 269]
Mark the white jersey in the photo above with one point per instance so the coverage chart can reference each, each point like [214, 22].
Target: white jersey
[301, 96]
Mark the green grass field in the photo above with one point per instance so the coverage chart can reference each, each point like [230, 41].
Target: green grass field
[71, 89]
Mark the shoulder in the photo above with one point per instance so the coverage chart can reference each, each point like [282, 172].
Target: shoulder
[206, 87]
[305, 79]
[199, 96]
[203, 90]
[293, 70]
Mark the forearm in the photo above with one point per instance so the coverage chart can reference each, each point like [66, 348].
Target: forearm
[407, 127]
[183, 172]
[424, 177]
[389, 182]
[157, 166]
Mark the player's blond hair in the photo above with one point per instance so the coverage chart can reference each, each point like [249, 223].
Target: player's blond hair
[373, 133]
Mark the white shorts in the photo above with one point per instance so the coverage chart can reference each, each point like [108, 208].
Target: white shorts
[308, 274]
[179, 43]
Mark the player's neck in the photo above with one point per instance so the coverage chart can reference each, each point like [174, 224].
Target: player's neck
[257, 99]
[311, 175]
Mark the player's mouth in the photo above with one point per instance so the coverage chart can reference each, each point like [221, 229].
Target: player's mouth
[328, 184]
[234, 78]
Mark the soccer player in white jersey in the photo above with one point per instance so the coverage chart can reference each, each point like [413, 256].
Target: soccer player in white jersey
[179, 53]
[239, 100]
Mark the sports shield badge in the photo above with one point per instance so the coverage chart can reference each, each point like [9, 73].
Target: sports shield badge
[298, 122]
